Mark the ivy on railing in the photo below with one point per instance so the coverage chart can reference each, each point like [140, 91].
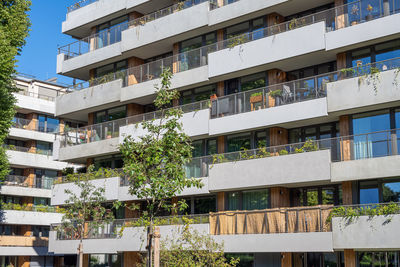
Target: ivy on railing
[26, 207]
[351, 213]
[91, 174]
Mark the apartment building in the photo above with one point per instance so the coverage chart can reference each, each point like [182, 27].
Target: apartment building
[299, 99]
[25, 195]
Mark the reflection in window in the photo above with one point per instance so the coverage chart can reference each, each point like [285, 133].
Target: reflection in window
[105, 260]
[391, 192]
[233, 201]
[255, 199]
[369, 192]
[239, 142]
[378, 259]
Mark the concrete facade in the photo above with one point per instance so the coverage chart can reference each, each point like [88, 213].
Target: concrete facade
[31, 217]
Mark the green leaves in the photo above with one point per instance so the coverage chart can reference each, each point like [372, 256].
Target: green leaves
[154, 163]
[14, 25]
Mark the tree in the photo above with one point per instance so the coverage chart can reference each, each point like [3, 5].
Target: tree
[14, 26]
[155, 163]
[189, 247]
[85, 213]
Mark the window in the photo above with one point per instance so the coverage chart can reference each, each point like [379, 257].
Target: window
[11, 199]
[48, 124]
[13, 142]
[111, 68]
[375, 53]
[105, 260]
[391, 191]
[239, 142]
[197, 94]
[378, 259]
[253, 81]
[245, 260]
[248, 200]
[313, 196]
[369, 192]
[43, 147]
[110, 32]
[205, 205]
[108, 162]
[41, 201]
[110, 114]
[40, 231]
[315, 132]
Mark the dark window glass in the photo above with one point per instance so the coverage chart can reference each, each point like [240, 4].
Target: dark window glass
[312, 197]
[197, 148]
[391, 191]
[330, 259]
[255, 199]
[233, 201]
[387, 50]
[239, 142]
[204, 205]
[378, 259]
[237, 29]
[253, 82]
[246, 260]
[369, 192]
[212, 147]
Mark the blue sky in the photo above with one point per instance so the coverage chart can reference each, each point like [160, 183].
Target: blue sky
[39, 56]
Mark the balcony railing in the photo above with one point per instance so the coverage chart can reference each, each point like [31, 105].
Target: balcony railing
[373, 209]
[31, 182]
[24, 124]
[114, 34]
[271, 221]
[214, 4]
[28, 150]
[23, 241]
[112, 230]
[80, 4]
[335, 18]
[40, 96]
[25, 207]
[292, 92]
[111, 129]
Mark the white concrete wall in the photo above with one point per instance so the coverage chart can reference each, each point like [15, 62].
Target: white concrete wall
[23, 251]
[371, 30]
[362, 169]
[238, 9]
[31, 135]
[96, 56]
[111, 186]
[31, 217]
[267, 50]
[259, 243]
[180, 79]
[365, 233]
[269, 117]
[271, 171]
[25, 191]
[166, 27]
[133, 239]
[25, 159]
[88, 150]
[88, 98]
[350, 94]
[35, 104]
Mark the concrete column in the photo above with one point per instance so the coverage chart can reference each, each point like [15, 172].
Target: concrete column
[280, 197]
[345, 143]
[175, 52]
[33, 125]
[30, 176]
[347, 193]
[135, 75]
[286, 259]
[23, 261]
[134, 109]
[221, 201]
[132, 259]
[349, 258]
[278, 136]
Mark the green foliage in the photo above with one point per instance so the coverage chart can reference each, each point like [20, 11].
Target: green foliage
[350, 213]
[154, 163]
[25, 207]
[84, 212]
[275, 93]
[283, 152]
[241, 39]
[14, 25]
[308, 146]
[256, 94]
[297, 23]
[189, 247]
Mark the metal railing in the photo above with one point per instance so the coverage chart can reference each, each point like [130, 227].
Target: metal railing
[40, 96]
[25, 207]
[31, 182]
[111, 129]
[271, 221]
[112, 229]
[335, 18]
[28, 150]
[292, 92]
[114, 34]
[214, 4]
[80, 4]
[372, 209]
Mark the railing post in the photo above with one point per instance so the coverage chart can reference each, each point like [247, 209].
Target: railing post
[394, 142]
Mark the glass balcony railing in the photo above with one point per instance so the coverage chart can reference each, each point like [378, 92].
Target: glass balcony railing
[111, 129]
[112, 230]
[28, 150]
[26, 207]
[114, 34]
[292, 92]
[39, 96]
[80, 4]
[335, 18]
[24, 124]
[214, 4]
[31, 182]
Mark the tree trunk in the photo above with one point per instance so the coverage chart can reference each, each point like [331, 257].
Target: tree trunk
[80, 254]
[150, 245]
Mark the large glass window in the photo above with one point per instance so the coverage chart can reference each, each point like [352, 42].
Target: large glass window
[197, 94]
[239, 142]
[48, 124]
[108, 162]
[110, 32]
[255, 199]
[391, 191]
[376, 143]
[312, 196]
[233, 201]
[205, 205]
[253, 81]
[378, 259]
[110, 114]
[369, 192]
[105, 260]
[43, 147]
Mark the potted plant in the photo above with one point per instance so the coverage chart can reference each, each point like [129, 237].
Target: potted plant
[213, 97]
[354, 11]
[277, 95]
[256, 97]
[369, 16]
